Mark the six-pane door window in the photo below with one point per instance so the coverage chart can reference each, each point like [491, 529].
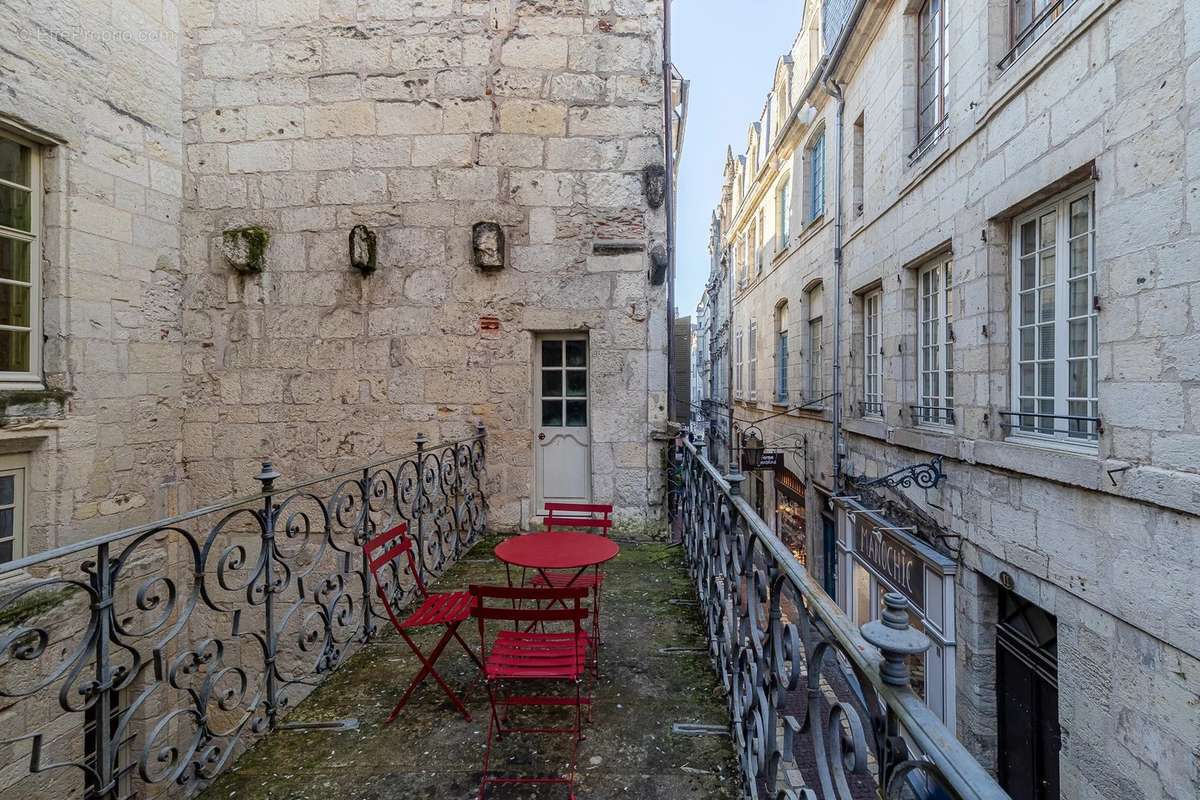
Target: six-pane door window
[872, 356]
[19, 229]
[936, 345]
[564, 383]
[1054, 316]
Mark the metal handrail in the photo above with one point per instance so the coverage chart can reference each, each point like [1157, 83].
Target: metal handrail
[20, 564]
[707, 538]
[926, 414]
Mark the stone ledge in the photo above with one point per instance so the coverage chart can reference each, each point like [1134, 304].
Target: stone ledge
[25, 404]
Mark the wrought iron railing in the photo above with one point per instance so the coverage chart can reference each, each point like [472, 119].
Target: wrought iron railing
[143, 661]
[1087, 429]
[819, 709]
[932, 415]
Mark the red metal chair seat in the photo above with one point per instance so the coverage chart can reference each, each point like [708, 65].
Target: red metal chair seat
[521, 655]
[440, 609]
[560, 580]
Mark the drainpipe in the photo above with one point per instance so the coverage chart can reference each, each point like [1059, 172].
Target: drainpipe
[835, 92]
[669, 146]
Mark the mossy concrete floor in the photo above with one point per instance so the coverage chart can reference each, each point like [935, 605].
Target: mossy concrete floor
[430, 751]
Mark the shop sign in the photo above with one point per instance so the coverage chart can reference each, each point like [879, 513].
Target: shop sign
[757, 459]
[898, 563]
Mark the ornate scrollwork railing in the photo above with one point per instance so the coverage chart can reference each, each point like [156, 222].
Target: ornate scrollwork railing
[818, 708]
[144, 660]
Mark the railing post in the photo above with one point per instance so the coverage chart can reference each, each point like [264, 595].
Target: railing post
[735, 480]
[365, 572]
[418, 520]
[102, 583]
[267, 477]
[895, 638]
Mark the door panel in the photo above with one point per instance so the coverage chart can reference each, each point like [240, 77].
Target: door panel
[562, 409]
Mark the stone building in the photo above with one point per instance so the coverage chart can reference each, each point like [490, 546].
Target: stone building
[964, 236]
[149, 364]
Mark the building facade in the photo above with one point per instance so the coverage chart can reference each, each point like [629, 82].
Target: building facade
[182, 300]
[963, 237]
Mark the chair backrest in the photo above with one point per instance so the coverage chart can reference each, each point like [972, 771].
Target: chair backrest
[578, 516]
[533, 605]
[381, 553]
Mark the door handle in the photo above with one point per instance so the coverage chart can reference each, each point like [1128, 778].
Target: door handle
[541, 437]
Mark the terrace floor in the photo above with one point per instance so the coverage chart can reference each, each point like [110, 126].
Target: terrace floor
[430, 751]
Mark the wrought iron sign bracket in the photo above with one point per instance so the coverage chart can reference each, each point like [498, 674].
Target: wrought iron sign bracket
[926, 476]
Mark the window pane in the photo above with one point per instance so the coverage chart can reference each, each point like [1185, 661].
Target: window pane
[1047, 298]
[1079, 383]
[576, 383]
[1029, 272]
[1046, 380]
[7, 489]
[552, 353]
[1078, 341]
[1049, 223]
[1078, 298]
[6, 523]
[1048, 267]
[14, 162]
[14, 351]
[552, 414]
[577, 413]
[1079, 256]
[1027, 387]
[16, 210]
[1079, 215]
[1046, 334]
[576, 353]
[6, 551]
[552, 383]
[1028, 238]
[14, 259]
[14, 305]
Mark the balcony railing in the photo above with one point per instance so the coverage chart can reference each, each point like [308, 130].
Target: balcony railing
[818, 708]
[142, 662]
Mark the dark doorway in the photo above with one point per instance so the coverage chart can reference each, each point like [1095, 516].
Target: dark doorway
[1027, 699]
[829, 544]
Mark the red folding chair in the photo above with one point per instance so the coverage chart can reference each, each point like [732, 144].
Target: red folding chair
[529, 656]
[450, 609]
[578, 517]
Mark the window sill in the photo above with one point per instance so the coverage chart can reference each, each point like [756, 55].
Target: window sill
[1040, 460]
[18, 402]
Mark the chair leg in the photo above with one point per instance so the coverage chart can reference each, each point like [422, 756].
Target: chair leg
[426, 670]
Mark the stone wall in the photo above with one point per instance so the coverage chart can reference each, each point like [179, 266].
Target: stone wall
[1109, 91]
[418, 120]
[97, 85]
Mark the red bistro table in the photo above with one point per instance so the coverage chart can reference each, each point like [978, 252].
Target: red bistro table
[560, 550]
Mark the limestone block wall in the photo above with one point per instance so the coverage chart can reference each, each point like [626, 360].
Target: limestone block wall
[1108, 93]
[96, 86]
[418, 120]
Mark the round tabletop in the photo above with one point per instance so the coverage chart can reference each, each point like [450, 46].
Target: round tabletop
[557, 550]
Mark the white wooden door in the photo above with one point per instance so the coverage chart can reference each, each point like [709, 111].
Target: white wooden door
[562, 420]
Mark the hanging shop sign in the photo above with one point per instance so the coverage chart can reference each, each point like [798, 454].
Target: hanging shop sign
[891, 558]
[755, 458]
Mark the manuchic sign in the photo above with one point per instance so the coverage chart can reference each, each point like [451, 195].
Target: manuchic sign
[894, 560]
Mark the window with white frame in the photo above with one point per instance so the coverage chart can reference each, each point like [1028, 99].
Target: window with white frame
[12, 507]
[816, 176]
[741, 260]
[20, 282]
[872, 355]
[781, 353]
[1054, 318]
[783, 206]
[741, 386]
[932, 72]
[935, 344]
[752, 346]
